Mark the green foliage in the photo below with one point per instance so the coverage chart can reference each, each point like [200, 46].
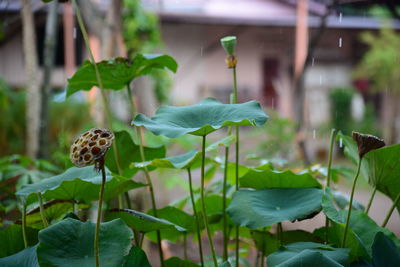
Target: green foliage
[26, 257]
[77, 184]
[11, 242]
[117, 73]
[201, 119]
[340, 99]
[276, 179]
[380, 63]
[309, 254]
[70, 243]
[261, 208]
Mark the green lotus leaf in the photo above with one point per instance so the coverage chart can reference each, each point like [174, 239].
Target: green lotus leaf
[309, 254]
[26, 257]
[201, 119]
[136, 258]
[261, 208]
[177, 262]
[140, 221]
[182, 161]
[79, 184]
[70, 243]
[116, 73]
[129, 152]
[11, 240]
[383, 168]
[177, 217]
[384, 251]
[277, 179]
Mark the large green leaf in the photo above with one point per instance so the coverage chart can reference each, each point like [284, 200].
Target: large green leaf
[11, 240]
[201, 119]
[353, 242]
[136, 258]
[116, 73]
[385, 253]
[277, 179]
[177, 262]
[177, 217]
[383, 168]
[140, 221]
[182, 161]
[129, 152]
[70, 243]
[309, 254]
[54, 210]
[79, 184]
[24, 258]
[261, 208]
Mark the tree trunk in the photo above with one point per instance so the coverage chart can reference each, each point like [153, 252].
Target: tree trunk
[50, 45]
[32, 80]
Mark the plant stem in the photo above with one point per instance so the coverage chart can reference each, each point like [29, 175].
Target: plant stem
[146, 172]
[280, 232]
[351, 203]
[185, 256]
[203, 204]
[24, 225]
[224, 215]
[262, 258]
[99, 208]
[396, 201]
[235, 101]
[328, 180]
[100, 83]
[370, 200]
[195, 216]
[41, 208]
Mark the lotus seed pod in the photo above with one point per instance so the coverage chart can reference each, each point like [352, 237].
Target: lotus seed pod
[367, 142]
[91, 146]
[229, 44]
[231, 61]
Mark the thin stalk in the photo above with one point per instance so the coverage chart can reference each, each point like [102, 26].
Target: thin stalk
[328, 181]
[262, 258]
[185, 256]
[141, 240]
[235, 101]
[280, 233]
[24, 225]
[224, 215]
[41, 208]
[146, 173]
[100, 83]
[257, 258]
[99, 208]
[396, 201]
[351, 203]
[370, 200]
[203, 204]
[196, 217]
[137, 237]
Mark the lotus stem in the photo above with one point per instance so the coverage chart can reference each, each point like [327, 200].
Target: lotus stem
[396, 201]
[224, 215]
[185, 256]
[351, 203]
[100, 83]
[41, 208]
[328, 178]
[280, 232]
[146, 173]
[24, 225]
[196, 217]
[203, 204]
[99, 208]
[370, 200]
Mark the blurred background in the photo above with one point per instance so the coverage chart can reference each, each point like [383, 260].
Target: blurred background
[313, 64]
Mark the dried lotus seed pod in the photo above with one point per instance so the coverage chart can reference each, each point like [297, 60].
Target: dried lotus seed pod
[367, 142]
[90, 147]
